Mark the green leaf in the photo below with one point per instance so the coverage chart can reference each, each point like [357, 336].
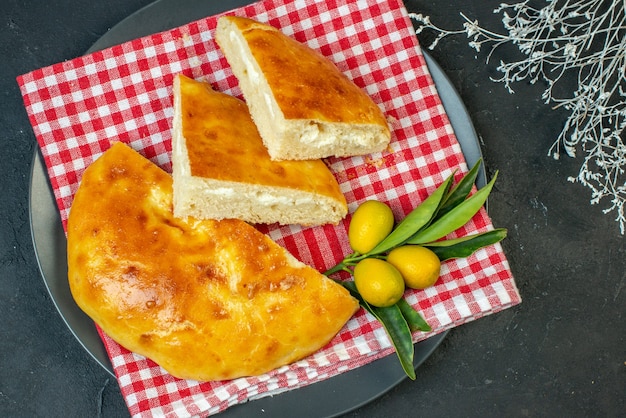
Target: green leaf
[415, 220]
[460, 192]
[395, 326]
[400, 335]
[454, 219]
[413, 319]
[465, 246]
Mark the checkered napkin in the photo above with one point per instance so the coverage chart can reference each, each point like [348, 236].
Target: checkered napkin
[79, 107]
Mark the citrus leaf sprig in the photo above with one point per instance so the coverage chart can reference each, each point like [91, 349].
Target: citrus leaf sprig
[399, 321]
[444, 211]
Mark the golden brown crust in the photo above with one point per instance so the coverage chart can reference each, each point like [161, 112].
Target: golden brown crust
[207, 300]
[223, 143]
[305, 84]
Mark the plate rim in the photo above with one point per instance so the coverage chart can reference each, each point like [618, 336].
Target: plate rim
[461, 124]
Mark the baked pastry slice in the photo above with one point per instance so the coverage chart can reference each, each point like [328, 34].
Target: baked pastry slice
[303, 105]
[222, 169]
[205, 299]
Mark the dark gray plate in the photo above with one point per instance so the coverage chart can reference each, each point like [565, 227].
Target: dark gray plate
[332, 397]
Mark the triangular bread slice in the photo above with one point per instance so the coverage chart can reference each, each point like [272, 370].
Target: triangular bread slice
[205, 299]
[303, 105]
[222, 169]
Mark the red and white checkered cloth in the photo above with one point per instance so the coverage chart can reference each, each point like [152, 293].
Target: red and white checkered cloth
[78, 108]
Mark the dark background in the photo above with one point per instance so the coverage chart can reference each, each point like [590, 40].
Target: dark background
[562, 352]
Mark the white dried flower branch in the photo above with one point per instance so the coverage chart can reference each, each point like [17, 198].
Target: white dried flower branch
[587, 37]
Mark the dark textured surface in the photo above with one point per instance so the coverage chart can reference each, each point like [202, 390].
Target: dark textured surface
[562, 352]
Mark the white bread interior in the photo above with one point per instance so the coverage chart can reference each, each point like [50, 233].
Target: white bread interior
[299, 138]
[210, 198]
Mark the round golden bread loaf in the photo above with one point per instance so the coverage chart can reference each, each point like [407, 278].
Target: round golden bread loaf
[206, 300]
